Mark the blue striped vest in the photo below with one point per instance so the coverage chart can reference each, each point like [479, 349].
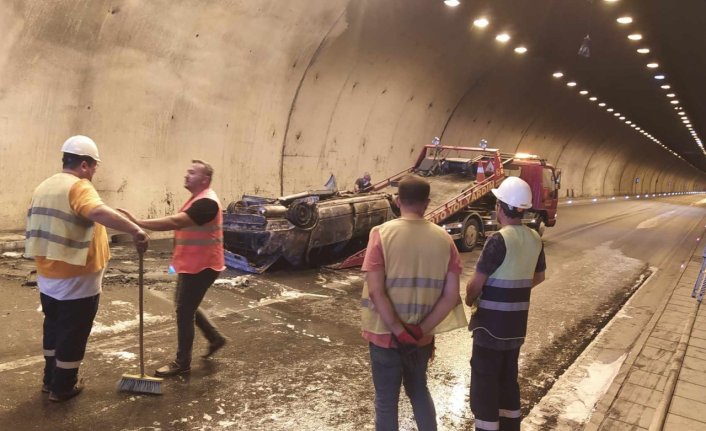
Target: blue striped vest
[503, 305]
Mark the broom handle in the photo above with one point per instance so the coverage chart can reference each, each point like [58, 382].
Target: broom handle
[140, 281]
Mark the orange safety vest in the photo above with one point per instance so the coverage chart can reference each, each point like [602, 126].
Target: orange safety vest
[200, 247]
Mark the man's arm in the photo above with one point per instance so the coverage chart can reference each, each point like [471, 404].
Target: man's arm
[450, 297]
[475, 287]
[176, 221]
[383, 305]
[110, 218]
[538, 278]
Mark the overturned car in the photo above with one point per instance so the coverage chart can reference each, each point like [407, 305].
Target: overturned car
[300, 228]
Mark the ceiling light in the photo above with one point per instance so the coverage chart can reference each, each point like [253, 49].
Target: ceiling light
[652, 65]
[665, 87]
[659, 77]
[681, 113]
[628, 122]
[583, 92]
[571, 84]
[557, 74]
[674, 102]
[602, 104]
[617, 114]
[635, 36]
[593, 99]
[520, 50]
[610, 109]
[452, 3]
[671, 94]
[621, 118]
[502, 37]
[611, 1]
[624, 20]
[643, 50]
[481, 22]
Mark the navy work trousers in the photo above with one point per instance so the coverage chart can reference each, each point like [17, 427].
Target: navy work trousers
[495, 393]
[67, 325]
[390, 371]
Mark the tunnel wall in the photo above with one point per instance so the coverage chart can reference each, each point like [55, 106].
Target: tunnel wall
[278, 95]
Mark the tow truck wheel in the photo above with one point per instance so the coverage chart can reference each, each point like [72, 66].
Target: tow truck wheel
[469, 237]
[540, 227]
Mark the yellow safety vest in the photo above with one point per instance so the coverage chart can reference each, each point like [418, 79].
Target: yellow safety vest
[54, 230]
[416, 254]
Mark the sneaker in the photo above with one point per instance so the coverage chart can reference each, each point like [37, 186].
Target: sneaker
[63, 396]
[214, 347]
[46, 389]
[171, 369]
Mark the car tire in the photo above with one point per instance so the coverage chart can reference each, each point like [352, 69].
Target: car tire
[303, 214]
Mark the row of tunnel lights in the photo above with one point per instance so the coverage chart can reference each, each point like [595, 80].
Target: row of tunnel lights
[636, 37]
[645, 196]
[483, 22]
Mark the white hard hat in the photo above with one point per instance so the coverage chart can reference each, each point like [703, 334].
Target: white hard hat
[514, 192]
[81, 146]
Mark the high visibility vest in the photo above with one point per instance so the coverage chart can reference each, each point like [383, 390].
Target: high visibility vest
[199, 247]
[503, 305]
[54, 230]
[416, 254]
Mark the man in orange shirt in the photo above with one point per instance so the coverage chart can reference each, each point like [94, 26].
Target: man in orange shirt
[198, 259]
[66, 235]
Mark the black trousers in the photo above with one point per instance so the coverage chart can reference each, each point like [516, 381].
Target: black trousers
[495, 393]
[67, 325]
[190, 290]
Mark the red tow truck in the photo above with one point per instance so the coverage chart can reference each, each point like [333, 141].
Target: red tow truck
[461, 180]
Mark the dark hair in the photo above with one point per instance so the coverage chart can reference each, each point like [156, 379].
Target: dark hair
[413, 190]
[512, 213]
[73, 161]
[207, 168]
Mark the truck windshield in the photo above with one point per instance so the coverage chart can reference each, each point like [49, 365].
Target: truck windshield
[513, 170]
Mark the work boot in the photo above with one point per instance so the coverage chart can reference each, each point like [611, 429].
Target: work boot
[214, 347]
[171, 369]
[58, 397]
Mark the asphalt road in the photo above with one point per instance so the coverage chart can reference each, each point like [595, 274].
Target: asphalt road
[296, 359]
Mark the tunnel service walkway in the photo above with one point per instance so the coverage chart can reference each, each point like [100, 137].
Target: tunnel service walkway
[662, 383]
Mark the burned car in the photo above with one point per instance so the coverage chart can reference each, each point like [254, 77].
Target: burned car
[257, 231]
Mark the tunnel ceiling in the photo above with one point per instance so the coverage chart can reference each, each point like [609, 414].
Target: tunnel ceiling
[615, 73]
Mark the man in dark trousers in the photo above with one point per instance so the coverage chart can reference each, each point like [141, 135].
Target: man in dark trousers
[66, 235]
[411, 292]
[198, 260]
[512, 262]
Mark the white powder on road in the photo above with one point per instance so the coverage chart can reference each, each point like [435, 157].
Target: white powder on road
[124, 325]
[654, 221]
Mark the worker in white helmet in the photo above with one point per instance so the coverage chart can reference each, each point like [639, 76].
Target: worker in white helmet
[66, 235]
[510, 265]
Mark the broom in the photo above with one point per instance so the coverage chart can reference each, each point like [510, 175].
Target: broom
[141, 383]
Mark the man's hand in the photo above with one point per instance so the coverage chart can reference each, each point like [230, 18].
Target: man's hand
[414, 330]
[405, 338]
[141, 241]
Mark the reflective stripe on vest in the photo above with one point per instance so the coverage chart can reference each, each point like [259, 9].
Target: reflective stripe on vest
[53, 229]
[416, 254]
[200, 247]
[504, 302]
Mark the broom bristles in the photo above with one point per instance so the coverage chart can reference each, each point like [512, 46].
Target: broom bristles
[142, 384]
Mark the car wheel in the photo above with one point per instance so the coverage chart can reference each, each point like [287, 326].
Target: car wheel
[302, 214]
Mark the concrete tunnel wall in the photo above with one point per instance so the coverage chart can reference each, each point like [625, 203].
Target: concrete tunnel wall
[277, 95]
